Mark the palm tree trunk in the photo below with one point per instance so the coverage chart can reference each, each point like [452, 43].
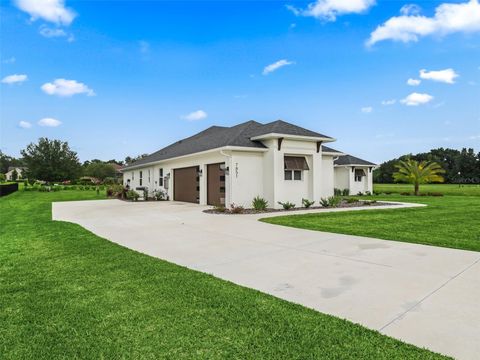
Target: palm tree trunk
[417, 189]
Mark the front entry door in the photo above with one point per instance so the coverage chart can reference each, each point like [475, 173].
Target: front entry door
[216, 184]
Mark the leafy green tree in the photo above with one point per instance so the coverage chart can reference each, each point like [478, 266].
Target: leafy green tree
[2, 177]
[100, 170]
[416, 173]
[7, 161]
[14, 175]
[51, 160]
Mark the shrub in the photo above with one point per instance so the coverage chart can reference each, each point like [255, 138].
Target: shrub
[158, 195]
[73, 187]
[368, 193]
[307, 203]
[109, 181]
[352, 200]
[287, 205]
[2, 177]
[406, 193]
[345, 192]
[86, 187]
[109, 192]
[236, 209]
[337, 192]
[259, 203]
[332, 201]
[219, 208]
[132, 195]
[359, 193]
[373, 202]
[435, 194]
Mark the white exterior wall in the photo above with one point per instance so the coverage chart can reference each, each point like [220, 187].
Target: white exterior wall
[293, 190]
[328, 177]
[345, 179]
[246, 177]
[342, 177]
[251, 173]
[201, 160]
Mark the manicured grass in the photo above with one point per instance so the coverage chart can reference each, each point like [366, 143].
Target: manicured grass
[66, 293]
[446, 189]
[448, 221]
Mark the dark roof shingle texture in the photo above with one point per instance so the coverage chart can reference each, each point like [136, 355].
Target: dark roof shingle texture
[219, 136]
[352, 160]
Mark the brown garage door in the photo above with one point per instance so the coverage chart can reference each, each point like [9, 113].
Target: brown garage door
[186, 184]
[215, 184]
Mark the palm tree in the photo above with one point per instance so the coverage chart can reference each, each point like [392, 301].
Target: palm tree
[416, 173]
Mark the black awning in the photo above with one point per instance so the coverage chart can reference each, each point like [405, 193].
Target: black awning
[360, 172]
[295, 163]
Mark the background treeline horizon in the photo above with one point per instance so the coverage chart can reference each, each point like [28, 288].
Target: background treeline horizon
[461, 166]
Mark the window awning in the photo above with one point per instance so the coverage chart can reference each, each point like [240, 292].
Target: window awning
[295, 163]
[360, 172]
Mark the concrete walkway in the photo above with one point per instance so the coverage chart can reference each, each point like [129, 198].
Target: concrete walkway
[424, 295]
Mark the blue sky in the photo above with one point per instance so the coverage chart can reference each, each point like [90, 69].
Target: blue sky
[118, 78]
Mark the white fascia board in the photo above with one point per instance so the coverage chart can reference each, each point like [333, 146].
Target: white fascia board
[333, 153]
[292, 137]
[225, 148]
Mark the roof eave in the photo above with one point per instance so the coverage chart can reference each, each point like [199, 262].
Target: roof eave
[292, 137]
[224, 148]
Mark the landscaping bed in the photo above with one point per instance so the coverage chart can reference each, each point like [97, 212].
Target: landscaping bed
[344, 203]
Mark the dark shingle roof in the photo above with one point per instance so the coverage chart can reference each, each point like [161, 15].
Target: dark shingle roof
[352, 160]
[330, 150]
[219, 136]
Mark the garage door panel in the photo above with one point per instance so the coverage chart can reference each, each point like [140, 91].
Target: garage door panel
[186, 184]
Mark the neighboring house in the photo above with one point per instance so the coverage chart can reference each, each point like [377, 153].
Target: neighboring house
[11, 169]
[278, 161]
[354, 174]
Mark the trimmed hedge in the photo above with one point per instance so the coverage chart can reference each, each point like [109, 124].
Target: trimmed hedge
[6, 189]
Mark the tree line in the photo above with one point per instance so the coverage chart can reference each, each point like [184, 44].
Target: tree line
[461, 166]
[54, 161]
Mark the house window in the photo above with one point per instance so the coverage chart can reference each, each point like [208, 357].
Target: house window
[149, 176]
[133, 175]
[294, 167]
[160, 177]
[141, 178]
[359, 174]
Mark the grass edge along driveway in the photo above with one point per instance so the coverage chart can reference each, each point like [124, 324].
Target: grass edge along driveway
[448, 221]
[67, 293]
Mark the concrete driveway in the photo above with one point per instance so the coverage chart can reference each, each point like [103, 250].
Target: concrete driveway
[424, 295]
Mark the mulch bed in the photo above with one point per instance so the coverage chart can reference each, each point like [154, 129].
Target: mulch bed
[343, 204]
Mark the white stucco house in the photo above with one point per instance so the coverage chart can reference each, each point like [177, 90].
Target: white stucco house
[9, 175]
[278, 161]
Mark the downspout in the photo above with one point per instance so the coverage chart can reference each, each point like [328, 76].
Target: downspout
[229, 187]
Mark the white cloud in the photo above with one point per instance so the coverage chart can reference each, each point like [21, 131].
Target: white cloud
[446, 76]
[415, 99]
[15, 78]
[413, 82]
[49, 122]
[389, 102]
[449, 18]
[366, 109]
[329, 9]
[276, 65]
[63, 87]
[25, 124]
[196, 115]
[10, 60]
[49, 10]
[47, 32]
[410, 9]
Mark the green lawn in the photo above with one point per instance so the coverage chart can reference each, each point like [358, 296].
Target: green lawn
[448, 221]
[66, 293]
[446, 189]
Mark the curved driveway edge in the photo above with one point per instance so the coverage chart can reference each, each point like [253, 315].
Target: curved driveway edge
[424, 295]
